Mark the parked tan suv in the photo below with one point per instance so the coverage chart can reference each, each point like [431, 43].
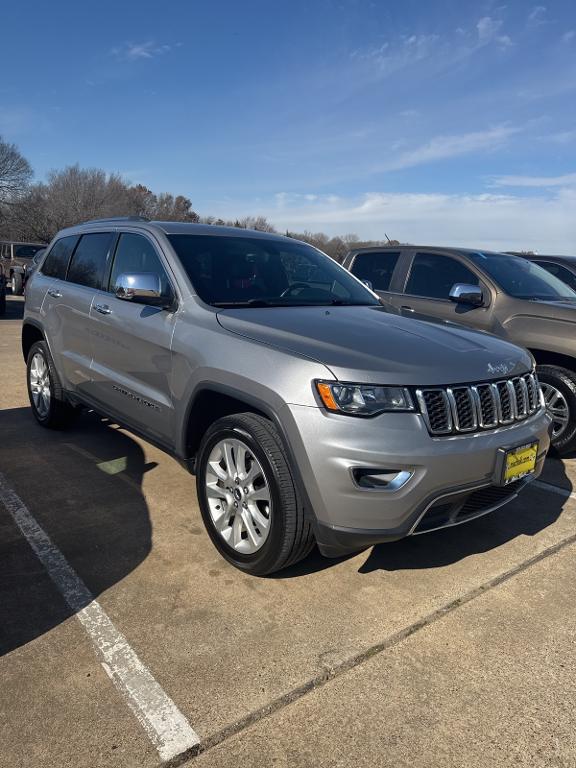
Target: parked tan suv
[494, 292]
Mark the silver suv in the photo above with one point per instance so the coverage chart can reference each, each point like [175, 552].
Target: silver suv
[307, 411]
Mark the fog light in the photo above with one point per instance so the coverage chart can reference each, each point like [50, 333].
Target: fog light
[381, 479]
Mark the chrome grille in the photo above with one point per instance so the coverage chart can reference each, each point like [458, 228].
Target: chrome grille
[472, 408]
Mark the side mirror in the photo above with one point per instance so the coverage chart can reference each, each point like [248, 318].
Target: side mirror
[462, 293]
[368, 284]
[140, 287]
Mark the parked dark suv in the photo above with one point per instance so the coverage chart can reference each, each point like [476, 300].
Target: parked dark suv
[493, 292]
[15, 259]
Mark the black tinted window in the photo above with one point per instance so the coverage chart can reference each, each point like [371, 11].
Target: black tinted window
[376, 267]
[560, 272]
[264, 271]
[89, 261]
[137, 254]
[521, 278]
[432, 275]
[57, 260]
[26, 251]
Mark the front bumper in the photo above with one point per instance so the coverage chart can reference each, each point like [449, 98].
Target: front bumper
[330, 448]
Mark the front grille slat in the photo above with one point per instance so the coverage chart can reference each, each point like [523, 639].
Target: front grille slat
[477, 407]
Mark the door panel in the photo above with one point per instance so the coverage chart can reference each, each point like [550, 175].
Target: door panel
[132, 364]
[429, 280]
[132, 361]
[66, 311]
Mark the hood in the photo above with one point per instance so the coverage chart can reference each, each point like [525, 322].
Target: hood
[553, 310]
[370, 345]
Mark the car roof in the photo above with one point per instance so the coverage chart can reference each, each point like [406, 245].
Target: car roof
[434, 248]
[550, 257]
[21, 242]
[171, 228]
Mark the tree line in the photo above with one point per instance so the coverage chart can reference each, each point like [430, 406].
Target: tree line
[36, 211]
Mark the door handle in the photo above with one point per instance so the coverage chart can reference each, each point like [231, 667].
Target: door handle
[54, 293]
[104, 309]
[406, 308]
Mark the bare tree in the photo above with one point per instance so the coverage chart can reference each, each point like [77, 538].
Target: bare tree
[15, 172]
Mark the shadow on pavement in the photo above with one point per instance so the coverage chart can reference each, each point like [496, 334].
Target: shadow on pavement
[83, 486]
[14, 308]
[525, 516]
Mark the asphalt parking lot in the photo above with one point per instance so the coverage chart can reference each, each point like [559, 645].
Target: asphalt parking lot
[450, 649]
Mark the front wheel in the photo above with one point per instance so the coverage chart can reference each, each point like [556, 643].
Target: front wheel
[247, 496]
[559, 390]
[47, 400]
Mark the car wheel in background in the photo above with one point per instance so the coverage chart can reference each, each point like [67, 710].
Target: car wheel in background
[247, 496]
[2, 300]
[559, 389]
[47, 399]
[17, 284]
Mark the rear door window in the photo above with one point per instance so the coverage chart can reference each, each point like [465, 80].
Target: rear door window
[88, 264]
[378, 268]
[432, 275]
[56, 262]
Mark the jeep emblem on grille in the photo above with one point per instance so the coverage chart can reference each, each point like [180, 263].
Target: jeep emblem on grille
[501, 368]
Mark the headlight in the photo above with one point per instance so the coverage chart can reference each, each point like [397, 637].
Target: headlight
[364, 399]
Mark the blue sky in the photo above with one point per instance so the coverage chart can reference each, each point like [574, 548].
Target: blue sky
[433, 120]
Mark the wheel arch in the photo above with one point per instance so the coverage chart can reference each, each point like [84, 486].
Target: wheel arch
[545, 357]
[199, 416]
[31, 333]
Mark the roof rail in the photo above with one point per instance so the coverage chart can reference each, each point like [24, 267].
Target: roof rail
[116, 218]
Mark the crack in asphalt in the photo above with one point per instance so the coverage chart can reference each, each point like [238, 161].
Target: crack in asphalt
[354, 661]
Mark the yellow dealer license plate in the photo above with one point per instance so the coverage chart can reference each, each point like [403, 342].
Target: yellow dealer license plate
[520, 462]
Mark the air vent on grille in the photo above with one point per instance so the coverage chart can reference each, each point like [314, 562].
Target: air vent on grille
[470, 408]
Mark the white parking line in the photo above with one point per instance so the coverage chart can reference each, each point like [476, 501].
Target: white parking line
[554, 489]
[166, 726]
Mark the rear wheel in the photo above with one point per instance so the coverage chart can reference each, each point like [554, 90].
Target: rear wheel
[17, 284]
[247, 496]
[559, 390]
[47, 399]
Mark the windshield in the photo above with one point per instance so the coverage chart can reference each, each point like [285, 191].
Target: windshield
[26, 251]
[523, 279]
[263, 272]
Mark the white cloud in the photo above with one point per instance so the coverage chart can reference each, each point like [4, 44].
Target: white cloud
[444, 147]
[489, 31]
[541, 182]
[537, 16]
[500, 222]
[567, 37]
[137, 51]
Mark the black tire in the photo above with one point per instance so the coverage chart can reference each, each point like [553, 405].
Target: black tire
[564, 381]
[60, 413]
[2, 301]
[290, 537]
[17, 284]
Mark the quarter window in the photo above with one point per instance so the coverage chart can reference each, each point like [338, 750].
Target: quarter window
[432, 275]
[56, 263]
[378, 268]
[137, 254]
[89, 260]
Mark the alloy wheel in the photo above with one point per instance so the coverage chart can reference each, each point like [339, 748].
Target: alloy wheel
[239, 496]
[557, 407]
[40, 385]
